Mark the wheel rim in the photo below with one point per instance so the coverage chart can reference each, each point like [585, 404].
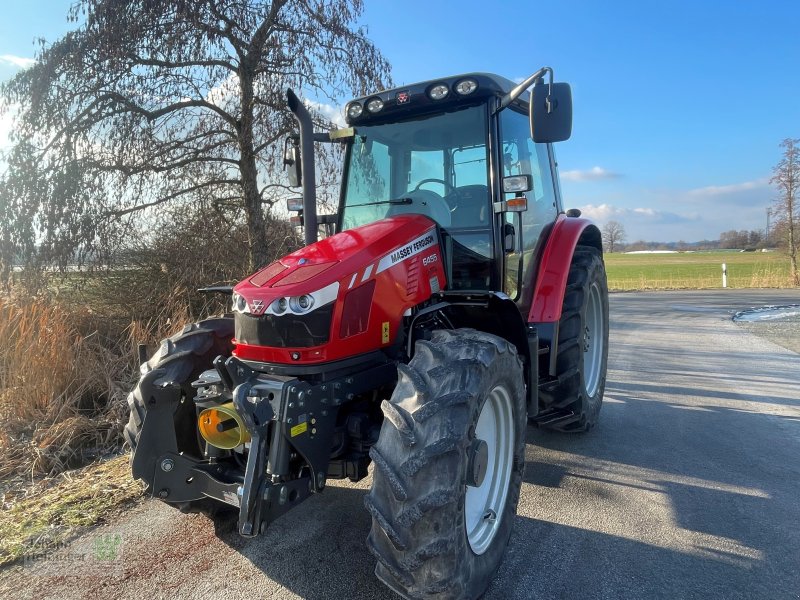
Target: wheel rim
[593, 341]
[484, 505]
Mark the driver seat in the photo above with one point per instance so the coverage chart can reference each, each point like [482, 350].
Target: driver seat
[424, 202]
[471, 206]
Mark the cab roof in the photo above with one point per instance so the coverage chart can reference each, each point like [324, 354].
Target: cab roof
[415, 97]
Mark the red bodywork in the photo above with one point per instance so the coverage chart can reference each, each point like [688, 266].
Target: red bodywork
[389, 266]
[551, 284]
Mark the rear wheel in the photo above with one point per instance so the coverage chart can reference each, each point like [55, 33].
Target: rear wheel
[582, 357]
[448, 466]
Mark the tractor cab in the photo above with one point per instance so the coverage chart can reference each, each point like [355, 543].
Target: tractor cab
[459, 151]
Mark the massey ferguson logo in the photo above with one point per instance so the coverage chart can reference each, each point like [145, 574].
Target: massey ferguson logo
[423, 242]
[403, 97]
[257, 306]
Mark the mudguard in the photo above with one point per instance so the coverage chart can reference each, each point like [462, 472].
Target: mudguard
[551, 283]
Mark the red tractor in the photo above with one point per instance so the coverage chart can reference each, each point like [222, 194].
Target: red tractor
[453, 303]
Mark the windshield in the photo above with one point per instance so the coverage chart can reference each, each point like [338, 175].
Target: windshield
[437, 166]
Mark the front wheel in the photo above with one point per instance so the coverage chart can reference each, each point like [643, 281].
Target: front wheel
[448, 466]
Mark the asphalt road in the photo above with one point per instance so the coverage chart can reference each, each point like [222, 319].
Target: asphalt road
[688, 488]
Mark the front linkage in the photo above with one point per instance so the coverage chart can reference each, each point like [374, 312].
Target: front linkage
[286, 418]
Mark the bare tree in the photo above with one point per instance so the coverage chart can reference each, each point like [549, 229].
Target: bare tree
[786, 178]
[148, 104]
[613, 235]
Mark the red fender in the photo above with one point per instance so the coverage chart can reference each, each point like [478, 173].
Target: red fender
[551, 284]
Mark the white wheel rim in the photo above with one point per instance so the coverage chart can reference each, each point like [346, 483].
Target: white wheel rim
[484, 505]
[593, 341]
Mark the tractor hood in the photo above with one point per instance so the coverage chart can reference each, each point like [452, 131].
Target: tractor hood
[335, 259]
[292, 303]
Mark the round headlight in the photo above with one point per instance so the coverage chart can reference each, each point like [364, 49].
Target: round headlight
[466, 86]
[241, 303]
[279, 306]
[301, 304]
[374, 105]
[354, 110]
[438, 91]
[305, 301]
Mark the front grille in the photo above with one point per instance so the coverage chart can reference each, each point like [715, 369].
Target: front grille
[286, 331]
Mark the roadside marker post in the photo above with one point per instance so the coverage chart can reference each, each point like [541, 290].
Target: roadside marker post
[724, 275]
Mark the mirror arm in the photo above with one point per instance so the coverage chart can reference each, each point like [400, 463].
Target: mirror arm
[517, 91]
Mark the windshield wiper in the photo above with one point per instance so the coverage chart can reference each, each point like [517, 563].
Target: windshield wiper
[393, 201]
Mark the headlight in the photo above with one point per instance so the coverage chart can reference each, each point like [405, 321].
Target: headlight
[239, 304]
[354, 110]
[375, 105]
[304, 303]
[301, 304]
[279, 306]
[438, 91]
[466, 86]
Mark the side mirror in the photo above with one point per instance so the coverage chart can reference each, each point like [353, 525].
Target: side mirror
[509, 235]
[551, 112]
[292, 162]
[294, 204]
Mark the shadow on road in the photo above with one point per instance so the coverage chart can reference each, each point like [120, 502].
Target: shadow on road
[722, 478]
[318, 550]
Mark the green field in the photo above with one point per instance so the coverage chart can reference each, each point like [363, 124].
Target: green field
[695, 270]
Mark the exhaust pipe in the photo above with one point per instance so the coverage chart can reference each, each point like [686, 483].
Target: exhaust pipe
[307, 165]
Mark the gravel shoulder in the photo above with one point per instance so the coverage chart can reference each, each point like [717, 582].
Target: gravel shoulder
[784, 333]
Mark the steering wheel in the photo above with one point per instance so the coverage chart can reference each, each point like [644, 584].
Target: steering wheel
[448, 189]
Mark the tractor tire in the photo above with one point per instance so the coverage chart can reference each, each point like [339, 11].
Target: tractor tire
[439, 528]
[183, 357]
[582, 357]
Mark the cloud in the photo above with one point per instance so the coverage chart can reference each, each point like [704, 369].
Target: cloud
[724, 190]
[334, 114]
[603, 213]
[17, 61]
[226, 93]
[593, 174]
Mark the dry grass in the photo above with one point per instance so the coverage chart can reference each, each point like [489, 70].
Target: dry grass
[57, 389]
[55, 510]
[64, 378]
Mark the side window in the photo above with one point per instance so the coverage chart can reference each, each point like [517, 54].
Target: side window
[368, 180]
[469, 166]
[521, 156]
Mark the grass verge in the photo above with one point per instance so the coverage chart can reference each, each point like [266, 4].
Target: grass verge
[60, 508]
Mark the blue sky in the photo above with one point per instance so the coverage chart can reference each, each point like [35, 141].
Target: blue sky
[679, 106]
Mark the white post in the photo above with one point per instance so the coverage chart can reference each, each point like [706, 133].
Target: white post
[724, 275]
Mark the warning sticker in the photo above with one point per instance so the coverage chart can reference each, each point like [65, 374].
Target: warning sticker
[385, 333]
[299, 428]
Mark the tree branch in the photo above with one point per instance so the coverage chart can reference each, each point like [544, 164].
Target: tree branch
[152, 115]
[154, 62]
[124, 211]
